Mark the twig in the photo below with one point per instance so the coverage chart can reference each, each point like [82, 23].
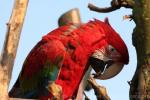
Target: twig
[100, 91]
[14, 28]
[115, 4]
[130, 17]
[129, 82]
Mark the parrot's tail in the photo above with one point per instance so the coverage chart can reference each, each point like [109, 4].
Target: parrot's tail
[17, 92]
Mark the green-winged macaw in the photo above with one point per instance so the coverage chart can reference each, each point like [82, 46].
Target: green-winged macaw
[56, 65]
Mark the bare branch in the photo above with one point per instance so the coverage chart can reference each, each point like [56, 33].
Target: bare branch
[72, 16]
[130, 17]
[102, 10]
[115, 4]
[14, 28]
[127, 3]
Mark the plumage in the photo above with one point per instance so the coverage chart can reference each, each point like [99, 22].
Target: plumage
[62, 56]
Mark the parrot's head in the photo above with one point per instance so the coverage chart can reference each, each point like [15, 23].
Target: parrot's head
[108, 60]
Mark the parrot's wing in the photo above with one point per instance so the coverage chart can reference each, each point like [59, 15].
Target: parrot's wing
[41, 66]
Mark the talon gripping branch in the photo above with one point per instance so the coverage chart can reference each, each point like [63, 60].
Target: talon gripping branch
[56, 65]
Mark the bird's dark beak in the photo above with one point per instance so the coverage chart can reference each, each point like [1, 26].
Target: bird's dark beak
[105, 69]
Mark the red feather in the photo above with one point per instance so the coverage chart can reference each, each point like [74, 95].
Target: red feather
[76, 48]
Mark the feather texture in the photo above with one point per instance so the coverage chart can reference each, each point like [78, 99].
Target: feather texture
[62, 56]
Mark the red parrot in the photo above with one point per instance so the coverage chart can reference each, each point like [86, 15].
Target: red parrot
[56, 65]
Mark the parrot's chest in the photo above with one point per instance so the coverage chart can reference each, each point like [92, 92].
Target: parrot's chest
[72, 71]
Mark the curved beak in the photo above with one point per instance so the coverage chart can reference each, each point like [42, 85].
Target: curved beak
[105, 66]
[114, 69]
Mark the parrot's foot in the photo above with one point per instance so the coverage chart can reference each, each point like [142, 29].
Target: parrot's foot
[100, 91]
[55, 90]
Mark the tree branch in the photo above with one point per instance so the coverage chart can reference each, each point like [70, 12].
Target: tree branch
[14, 28]
[100, 91]
[71, 16]
[102, 10]
[115, 4]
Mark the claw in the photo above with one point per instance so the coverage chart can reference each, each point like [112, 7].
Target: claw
[92, 82]
[100, 91]
[95, 75]
[55, 90]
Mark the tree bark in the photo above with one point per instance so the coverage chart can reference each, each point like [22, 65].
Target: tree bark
[14, 27]
[140, 84]
[70, 17]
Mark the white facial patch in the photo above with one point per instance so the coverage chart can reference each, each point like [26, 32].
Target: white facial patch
[100, 54]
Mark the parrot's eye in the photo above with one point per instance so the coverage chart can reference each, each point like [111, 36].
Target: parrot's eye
[113, 53]
[111, 48]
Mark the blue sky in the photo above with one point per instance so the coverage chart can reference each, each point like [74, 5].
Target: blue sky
[42, 16]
